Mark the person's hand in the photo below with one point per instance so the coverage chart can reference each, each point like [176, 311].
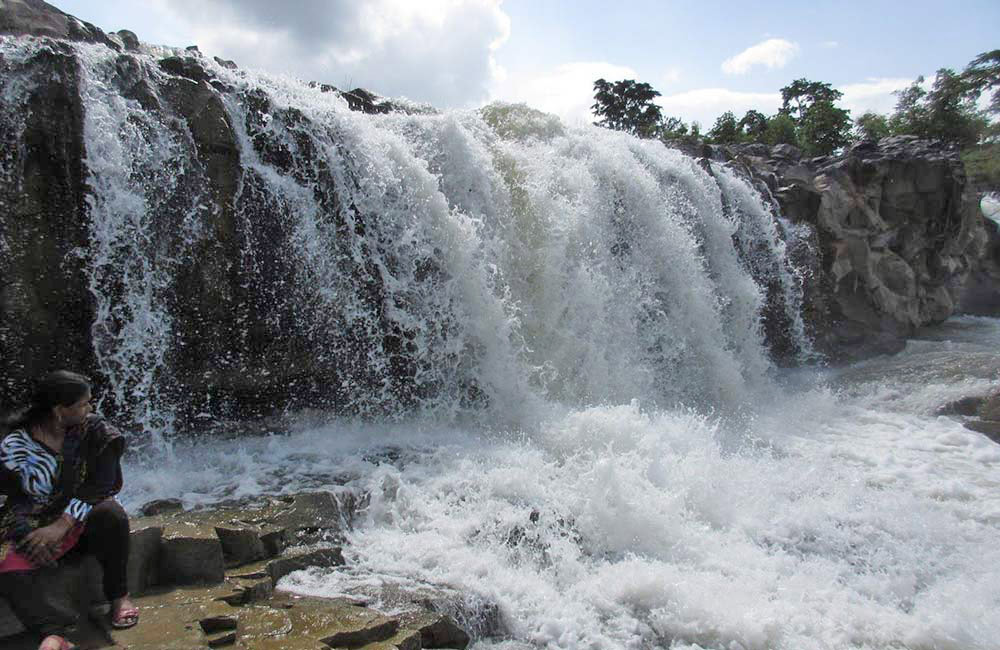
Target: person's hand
[41, 544]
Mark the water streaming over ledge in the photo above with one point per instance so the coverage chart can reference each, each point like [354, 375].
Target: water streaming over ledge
[560, 325]
[491, 258]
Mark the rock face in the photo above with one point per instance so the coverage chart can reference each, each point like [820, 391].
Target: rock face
[895, 235]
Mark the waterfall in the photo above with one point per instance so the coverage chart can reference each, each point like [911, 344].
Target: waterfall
[256, 246]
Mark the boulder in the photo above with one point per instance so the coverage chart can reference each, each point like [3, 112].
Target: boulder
[38, 18]
[161, 506]
[437, 630]
[144, 559]
[990, 408]
[191, 553]
[213, 624]
[362, 629]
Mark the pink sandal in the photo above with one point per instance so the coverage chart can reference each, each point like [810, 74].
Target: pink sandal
[125, 618]
[55, 642]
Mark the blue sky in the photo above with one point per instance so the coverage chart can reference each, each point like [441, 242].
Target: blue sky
[462, 53]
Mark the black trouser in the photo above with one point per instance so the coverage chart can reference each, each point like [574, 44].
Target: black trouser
[42, 598]
[106, 537]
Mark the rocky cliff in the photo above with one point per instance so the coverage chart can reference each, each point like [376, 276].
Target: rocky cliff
[898, 240]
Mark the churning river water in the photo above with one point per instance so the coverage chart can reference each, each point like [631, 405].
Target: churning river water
[837, 512]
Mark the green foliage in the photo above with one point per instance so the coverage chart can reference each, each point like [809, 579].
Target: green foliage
[726, 129]
[982, 166]
[982, 74]
[870, 126]
[824, 128]
[673, 128]
[753, 126]
[946, 112]
[781, 130]
[804, 93]
[627, 106]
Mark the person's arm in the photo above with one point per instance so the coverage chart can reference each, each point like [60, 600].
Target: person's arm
[103, 451]
[37, 543]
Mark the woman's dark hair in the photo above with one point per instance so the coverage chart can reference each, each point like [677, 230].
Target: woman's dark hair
[58, 388]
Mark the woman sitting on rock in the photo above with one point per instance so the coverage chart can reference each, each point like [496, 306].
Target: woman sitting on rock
[60, 469]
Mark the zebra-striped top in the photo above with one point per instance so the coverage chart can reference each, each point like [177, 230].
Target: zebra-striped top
[38, 469]
[41, 484]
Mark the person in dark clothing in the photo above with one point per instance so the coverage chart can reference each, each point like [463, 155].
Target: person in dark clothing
[60, 468]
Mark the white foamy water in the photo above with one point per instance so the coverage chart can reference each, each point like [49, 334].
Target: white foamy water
[844, 514]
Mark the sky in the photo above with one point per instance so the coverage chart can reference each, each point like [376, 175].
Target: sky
[704, 57]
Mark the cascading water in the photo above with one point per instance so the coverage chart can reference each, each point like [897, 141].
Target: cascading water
[561, 334]
[438, 265]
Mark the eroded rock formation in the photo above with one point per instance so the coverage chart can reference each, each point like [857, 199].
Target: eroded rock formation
[896, 235]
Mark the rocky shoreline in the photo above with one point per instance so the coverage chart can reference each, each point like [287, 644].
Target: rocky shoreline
[207, 578]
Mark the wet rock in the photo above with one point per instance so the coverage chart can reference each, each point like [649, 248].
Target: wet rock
[128, 39]
[436, 630]
[402, 640]
[226, 63]
[311, 514]
[967, 406]
[144, 559]
[362, 100]
[357, 633]
[37, 18]
[43, 213]
[248, 591]
[190, 554]
[278, 569]
[224, 640]
[990, 408]
[989, 428]
[214, 624]
[187, 66]
[161, 506]
[240, 545]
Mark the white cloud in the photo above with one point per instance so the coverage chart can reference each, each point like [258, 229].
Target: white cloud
[705, 104]
[672, 75]
[437, 51]
[874, 94]
[772, 53]
[566, 90]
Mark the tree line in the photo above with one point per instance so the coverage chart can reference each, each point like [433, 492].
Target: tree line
[810, 118]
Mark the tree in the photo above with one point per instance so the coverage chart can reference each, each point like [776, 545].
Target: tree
[805, 93]
[781, 130]
[726, 129]
[753, 126]
[870, 126]
[824, 128]
[627, 106]
[673, 128]
[946, 112]
[982, 74]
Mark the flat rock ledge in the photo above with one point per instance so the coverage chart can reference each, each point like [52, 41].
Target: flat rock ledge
[206, 579]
